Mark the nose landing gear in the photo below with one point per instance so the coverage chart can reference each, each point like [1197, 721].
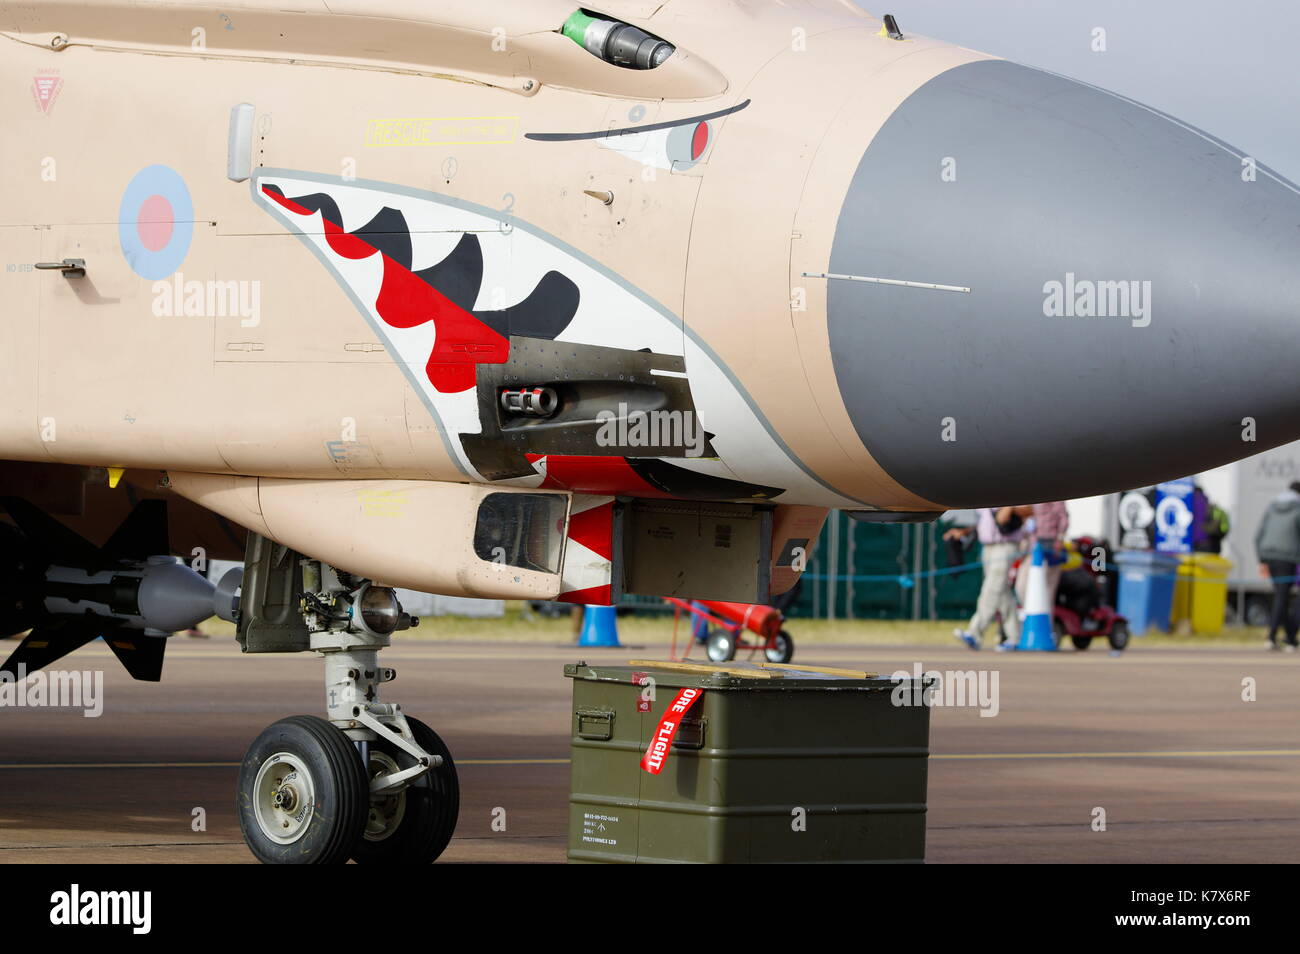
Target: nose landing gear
[368, 783]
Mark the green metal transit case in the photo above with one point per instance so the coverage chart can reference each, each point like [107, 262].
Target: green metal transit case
[737, 762]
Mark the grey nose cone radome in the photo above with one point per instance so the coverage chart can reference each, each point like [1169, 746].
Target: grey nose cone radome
[1133, 308]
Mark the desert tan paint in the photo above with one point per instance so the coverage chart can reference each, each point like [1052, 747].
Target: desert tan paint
[857, 122]
[447, 39]
[785, 225]
[380, 529]
[93, 376]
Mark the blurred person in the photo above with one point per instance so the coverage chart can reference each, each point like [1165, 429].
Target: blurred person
[1200, 517]
[957, 545]
[1277, 543]
[1000, 530]
[1051, 521]
[1209, 522]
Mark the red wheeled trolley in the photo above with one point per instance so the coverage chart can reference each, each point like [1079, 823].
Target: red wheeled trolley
[726, 624]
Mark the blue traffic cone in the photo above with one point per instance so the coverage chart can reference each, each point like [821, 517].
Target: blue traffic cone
[599, 627]
[1036, 632]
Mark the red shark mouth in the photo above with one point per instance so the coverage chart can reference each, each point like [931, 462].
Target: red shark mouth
[593, 475]
[443, 294]
[641, 477]
[465, 337]
[435, 317]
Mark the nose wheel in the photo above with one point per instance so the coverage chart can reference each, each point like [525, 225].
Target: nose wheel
[306, 798]
[303, 793]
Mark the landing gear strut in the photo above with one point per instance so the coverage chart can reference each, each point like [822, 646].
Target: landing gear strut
[366, 783]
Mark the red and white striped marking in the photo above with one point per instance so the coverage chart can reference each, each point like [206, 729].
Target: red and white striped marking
[588, 570]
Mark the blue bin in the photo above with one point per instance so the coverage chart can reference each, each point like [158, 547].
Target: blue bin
[1146, 589]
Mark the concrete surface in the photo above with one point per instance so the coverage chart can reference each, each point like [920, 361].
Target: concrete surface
[1161, 739]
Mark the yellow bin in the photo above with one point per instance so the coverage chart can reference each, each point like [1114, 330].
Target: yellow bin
[1201, 592]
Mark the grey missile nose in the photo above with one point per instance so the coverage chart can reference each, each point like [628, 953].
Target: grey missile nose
[1134, 306]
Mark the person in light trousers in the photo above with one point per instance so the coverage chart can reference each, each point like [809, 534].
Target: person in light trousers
[1000, 530]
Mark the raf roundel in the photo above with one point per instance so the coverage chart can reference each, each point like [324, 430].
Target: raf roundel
[156, 222]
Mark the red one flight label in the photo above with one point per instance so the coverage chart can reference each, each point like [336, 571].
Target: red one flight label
[662, 741]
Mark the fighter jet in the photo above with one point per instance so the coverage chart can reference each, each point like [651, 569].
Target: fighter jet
[525, 300]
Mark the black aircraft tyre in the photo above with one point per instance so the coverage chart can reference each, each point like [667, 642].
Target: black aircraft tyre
[415, 825]
[302, 795]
